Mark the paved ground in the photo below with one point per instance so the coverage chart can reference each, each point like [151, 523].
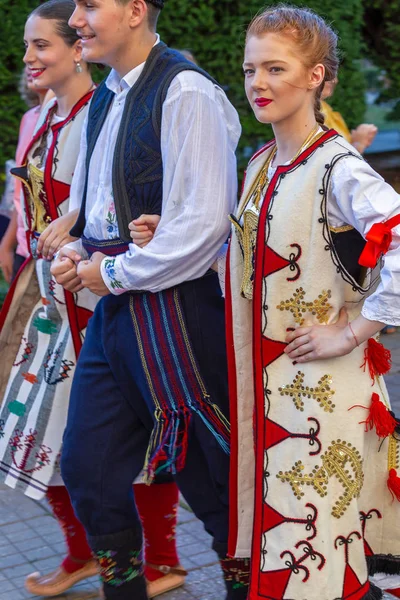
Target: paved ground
[30, 539]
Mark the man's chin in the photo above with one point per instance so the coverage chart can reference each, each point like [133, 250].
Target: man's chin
[90, 55]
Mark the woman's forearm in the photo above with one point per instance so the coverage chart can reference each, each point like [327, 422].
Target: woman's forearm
[361, 329]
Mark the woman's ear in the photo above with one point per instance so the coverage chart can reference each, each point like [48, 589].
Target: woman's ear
[316, 77]
[78, 51]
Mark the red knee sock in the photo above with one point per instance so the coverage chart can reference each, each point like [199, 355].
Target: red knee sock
[157, 505]
[79, 551]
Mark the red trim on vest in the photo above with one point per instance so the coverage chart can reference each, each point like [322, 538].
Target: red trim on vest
[74, 111]
[10, 294]
[72, 311]
[261, 150]
[51, 185]
[360, 593]
[274, 262]
[274, 434]
[233, 471]
[55, 128]
[271, 349]
[258, 366]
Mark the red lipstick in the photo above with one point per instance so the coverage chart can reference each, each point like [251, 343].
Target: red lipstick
[36, 72]
[262, 102]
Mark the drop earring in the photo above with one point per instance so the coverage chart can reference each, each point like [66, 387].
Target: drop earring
[78, 67]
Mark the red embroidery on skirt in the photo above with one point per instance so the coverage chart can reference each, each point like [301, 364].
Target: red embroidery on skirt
[27, 444]
[26, 353]
[65, 367]
[30, 377]
[52, 287]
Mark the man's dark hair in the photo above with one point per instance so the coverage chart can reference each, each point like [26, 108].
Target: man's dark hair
[154, 8]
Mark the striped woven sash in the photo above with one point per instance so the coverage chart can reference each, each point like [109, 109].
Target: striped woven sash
[172, 373]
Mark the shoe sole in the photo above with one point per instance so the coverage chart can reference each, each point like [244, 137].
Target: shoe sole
[165, 588]
[48, 590]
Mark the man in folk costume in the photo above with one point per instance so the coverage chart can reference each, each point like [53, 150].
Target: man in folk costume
[42, 326]
[151, 385]
[318, 491]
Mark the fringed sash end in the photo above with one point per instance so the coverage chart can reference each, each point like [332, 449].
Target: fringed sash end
[174, 381]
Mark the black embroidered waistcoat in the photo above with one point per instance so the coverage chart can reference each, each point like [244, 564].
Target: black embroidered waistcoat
[137, 172]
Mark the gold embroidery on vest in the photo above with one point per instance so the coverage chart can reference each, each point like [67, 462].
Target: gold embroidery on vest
[247, 233]
[35, 187]
[298, 307]
[341, 229]
[247, 238]
[393, 453]
[322, 392]
[335, 463]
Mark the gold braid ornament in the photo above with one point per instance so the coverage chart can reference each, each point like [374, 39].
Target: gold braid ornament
[247, 232]
[337, 461]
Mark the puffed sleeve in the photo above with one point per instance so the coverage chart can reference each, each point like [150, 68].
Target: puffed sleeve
[363, 199]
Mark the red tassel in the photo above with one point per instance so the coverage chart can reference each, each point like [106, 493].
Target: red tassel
[380, 418]
[378, 358]
[393, 484]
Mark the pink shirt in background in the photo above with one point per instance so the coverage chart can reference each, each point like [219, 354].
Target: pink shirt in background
[26, 129]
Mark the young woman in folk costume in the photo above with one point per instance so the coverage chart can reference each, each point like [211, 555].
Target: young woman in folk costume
[304, 303]
[42, 327]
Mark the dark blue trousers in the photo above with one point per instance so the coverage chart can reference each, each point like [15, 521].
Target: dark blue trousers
[109, 423]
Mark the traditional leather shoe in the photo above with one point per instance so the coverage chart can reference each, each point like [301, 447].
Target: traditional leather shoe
[173, 578]
[58, 581]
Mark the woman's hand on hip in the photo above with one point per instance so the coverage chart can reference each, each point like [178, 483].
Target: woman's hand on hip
[321, 341]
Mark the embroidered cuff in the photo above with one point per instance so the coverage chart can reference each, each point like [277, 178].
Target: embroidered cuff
[109, 272]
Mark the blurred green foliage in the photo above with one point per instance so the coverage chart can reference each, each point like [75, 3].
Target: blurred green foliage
[12, 20]
[382, 36]
[13, 14]
[214, 30]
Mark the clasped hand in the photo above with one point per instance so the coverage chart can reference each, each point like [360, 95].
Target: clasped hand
[320, 341]
[74, 274]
